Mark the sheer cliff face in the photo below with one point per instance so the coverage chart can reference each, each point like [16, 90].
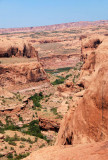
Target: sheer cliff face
[89, 121]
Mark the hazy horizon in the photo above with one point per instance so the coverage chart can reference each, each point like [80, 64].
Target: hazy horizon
[34, 13]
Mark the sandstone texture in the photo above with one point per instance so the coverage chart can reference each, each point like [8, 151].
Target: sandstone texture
[12, 71]
[21, 73]
[60, 61]
[89, 121]
[16, 48]
[96, 151]
[47, 124]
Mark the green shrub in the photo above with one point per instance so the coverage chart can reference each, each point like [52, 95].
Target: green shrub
[54, 110]
[12, 148]
[36, 99]
[1, 130]
[21, 156]
[61, 79]
[1, 124]
[43, 145]
[22, 146]
[12, 143]
[23, 139]
[58, 81]
[33, 129]
[52, 71]
[30, 141]
[12, 139]
[10, 155]
[1, 155]
[11, 127]
[20, 119]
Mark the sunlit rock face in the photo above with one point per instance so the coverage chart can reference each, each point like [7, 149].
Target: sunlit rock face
[89, 120]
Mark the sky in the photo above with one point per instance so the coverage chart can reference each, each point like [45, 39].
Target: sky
[29, 13]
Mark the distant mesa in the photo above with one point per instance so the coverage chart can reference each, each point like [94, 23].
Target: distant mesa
[54, 27]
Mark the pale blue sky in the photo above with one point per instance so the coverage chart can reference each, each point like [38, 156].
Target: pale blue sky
[27, 13]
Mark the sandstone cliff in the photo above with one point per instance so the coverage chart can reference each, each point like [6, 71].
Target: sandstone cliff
[17, 48]
[89, 121]
[21, 73]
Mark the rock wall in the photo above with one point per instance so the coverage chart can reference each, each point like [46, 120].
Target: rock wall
[17, 48]
[21, 73]
[89, 120]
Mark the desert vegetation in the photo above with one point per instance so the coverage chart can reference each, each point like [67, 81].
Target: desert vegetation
[42, 98]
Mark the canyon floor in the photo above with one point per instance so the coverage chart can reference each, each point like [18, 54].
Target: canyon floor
[44, 79]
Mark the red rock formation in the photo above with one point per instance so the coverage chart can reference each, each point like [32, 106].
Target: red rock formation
[17, 48]
[95, 151]
[47, 124]
[68, 86]
[60, 61]
[89, 122]
[56, 26]
[21, 73]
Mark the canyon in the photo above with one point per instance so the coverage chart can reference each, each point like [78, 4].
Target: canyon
[53, 92]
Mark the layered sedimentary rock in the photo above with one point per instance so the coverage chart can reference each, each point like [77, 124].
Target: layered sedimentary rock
[60, 61]
[17, 48]
[89, 121]
[21, 73]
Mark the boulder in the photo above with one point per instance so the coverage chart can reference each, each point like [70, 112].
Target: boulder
[48, 124]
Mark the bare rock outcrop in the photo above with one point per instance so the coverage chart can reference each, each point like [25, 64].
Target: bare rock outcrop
[60, 61]
[89, 121]
[17, 48]
[68, 86]
[47, 124]
[96, 151]
[5, 93]
[21, 73]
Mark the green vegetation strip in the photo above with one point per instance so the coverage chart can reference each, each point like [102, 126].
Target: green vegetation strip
[52, 71]
[61, 79]
[32, 129]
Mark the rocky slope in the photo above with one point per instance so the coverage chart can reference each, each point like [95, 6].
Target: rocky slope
[87, 119]
[60, 61]
[21, 73]
[96, 151]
